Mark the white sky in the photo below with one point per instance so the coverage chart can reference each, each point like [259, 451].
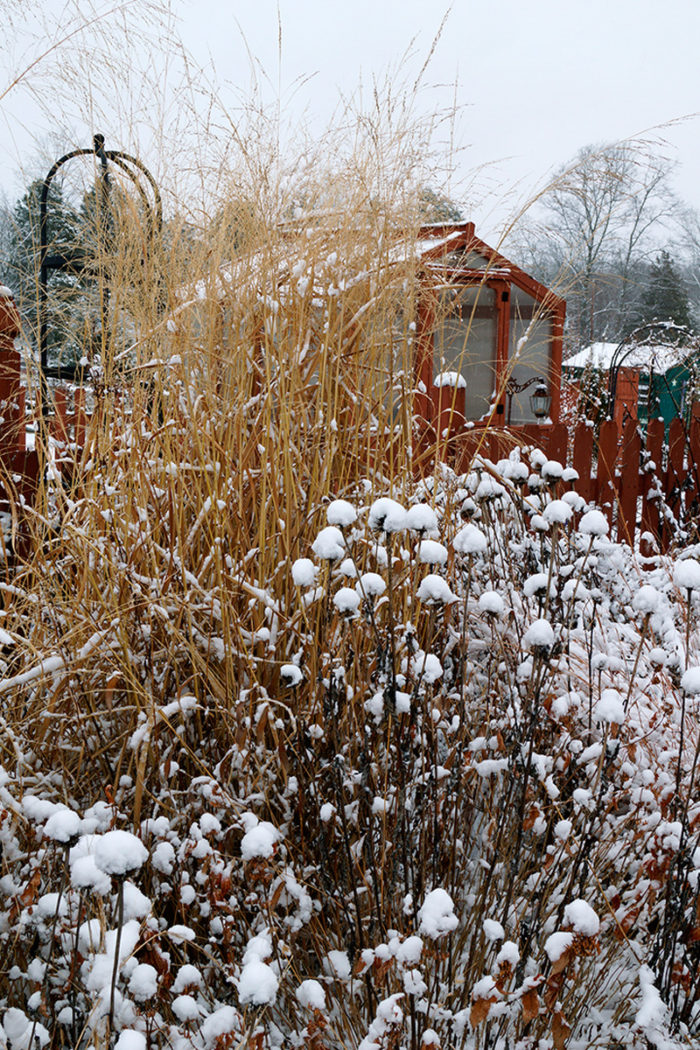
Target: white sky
[534, 81]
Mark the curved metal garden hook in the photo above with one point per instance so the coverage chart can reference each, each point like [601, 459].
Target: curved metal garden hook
[77, 259]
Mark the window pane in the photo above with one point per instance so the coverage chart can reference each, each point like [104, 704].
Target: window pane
[529, 350]
[465, 342]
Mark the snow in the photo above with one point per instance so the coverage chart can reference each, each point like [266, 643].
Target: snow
[432, 553]
[470, 540]
[485, 989]
[450, 379]
[181, 934]
[341, 513]
[257, 984]
[552, 470]
[370, 585]
[347, 601]
[311, 995]
[143, 983]
[690, 681]
[188, 976]
[62, 826]
[386, 515]
[338, 964]
[259, 840]
[593, 523]
[185, 1008]
[221, 1022]
[535, 584]
[658, 357]
[130, 1039]
[610, 707]
[304, 572]
[409, 951]
[329, 545]
[557, 512]
[493, 931]
[581, 916]
[491, 603]
[436, 914]
[136, 904]
[652, 1011]
[556, 944]
[686, 574]
[434, 590]
[426, 666]
[509, 954]
[291, 674]
[119, 853]
[539, 635]
[646, 600]
[421, 518]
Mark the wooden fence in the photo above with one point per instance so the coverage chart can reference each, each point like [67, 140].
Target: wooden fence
[645, 483]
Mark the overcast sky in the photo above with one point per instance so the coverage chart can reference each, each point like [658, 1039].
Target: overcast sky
[532, 82]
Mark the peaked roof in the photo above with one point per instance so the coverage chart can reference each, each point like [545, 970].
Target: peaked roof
[455, 247]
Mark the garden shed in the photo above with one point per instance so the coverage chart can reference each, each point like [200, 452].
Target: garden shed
[489, 334]
[646, 381]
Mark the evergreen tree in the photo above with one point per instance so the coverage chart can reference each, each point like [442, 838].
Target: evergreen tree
[666, 297]
[436, 208]
[64, 235]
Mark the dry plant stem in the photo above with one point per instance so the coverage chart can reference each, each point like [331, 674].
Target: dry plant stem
[117, 946]
[642, 638]
[45, 983]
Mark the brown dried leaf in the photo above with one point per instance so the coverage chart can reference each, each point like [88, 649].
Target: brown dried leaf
[28, 895]
[480, 1011]
[531, 1005]
[563, 961]
[560, 1031]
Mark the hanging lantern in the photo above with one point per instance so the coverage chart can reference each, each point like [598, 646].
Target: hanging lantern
[540, 401]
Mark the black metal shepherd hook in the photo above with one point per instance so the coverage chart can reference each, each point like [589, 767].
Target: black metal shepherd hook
[77, 260]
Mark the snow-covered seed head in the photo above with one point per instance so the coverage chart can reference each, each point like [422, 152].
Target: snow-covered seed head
[686, 574]
[646, 601]
[552, 470]
[470, 540]
[593, 523]
[304, 572]
[421, 518]
[119, 853]
[63, 826]
[290, 675]
[610, 707]
[370, 585]
[436, 915]
[311, 994]
[341, 513]
[432, 553]
[347, 602]
[435, 591]
[386, 515]
[491, 604]
[557, 512]
[539, 636]
[329, 545]
[690, 682]
[489, 489]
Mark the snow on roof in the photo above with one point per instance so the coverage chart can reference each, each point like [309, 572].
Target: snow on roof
[647, 357]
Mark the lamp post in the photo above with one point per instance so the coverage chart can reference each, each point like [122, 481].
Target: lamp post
[540, 398]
